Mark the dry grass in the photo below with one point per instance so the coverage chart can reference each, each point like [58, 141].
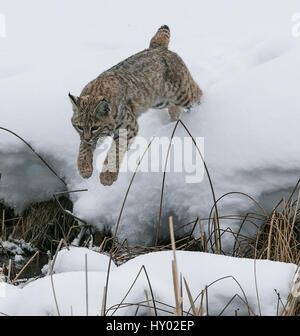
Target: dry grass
[42, 225]
[45, 224]
[278, 238]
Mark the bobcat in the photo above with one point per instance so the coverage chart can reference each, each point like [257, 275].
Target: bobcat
[153, 78]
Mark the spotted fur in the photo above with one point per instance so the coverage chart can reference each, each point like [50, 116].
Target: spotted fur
[153, 78]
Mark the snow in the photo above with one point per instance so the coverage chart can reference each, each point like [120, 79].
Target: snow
[73, 260]
[16, 247]
[236, 276]
[244, 57]
[7, 291]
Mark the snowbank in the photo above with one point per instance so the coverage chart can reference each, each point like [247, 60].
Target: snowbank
[7, 292]
[227, 278]
[73, 260]
[245, 63]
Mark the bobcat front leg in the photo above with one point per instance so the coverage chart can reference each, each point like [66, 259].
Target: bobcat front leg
[85, 160]
[174, 112]
[117, 151]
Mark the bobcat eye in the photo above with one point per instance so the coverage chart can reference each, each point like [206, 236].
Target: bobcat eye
[80, 128]
[94, 129]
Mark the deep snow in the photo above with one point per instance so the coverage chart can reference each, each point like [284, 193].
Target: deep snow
[227, 278]
[243, 56]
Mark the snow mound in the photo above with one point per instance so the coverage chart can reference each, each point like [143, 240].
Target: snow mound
[230, 281]
[7, 292]
[73, 260]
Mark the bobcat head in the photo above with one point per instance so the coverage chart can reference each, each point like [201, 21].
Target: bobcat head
[92, 118]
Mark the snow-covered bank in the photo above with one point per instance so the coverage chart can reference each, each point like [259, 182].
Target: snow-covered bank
[245, 61]
[71, 260]
[226, 277]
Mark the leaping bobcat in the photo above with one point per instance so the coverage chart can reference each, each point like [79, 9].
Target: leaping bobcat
[153, 78]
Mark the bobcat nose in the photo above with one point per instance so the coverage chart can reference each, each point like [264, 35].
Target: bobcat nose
[87, 136]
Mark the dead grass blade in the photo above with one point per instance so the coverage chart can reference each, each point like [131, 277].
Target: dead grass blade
[148, 303]
[143, 268]
[86, 286]
[34, 151]
[24, 267]
[177, 291]
[194, 309]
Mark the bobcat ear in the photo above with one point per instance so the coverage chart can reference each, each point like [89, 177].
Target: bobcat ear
[102, 108]
[74, 100]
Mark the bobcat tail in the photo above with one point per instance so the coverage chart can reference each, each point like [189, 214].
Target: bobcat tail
[161, 38]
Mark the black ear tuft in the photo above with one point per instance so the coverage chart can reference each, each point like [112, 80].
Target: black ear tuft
[102, 108]
[165, 27]
[73, 99]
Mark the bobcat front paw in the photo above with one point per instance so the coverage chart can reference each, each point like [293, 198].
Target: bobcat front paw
[108, 178]
[85, 169]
